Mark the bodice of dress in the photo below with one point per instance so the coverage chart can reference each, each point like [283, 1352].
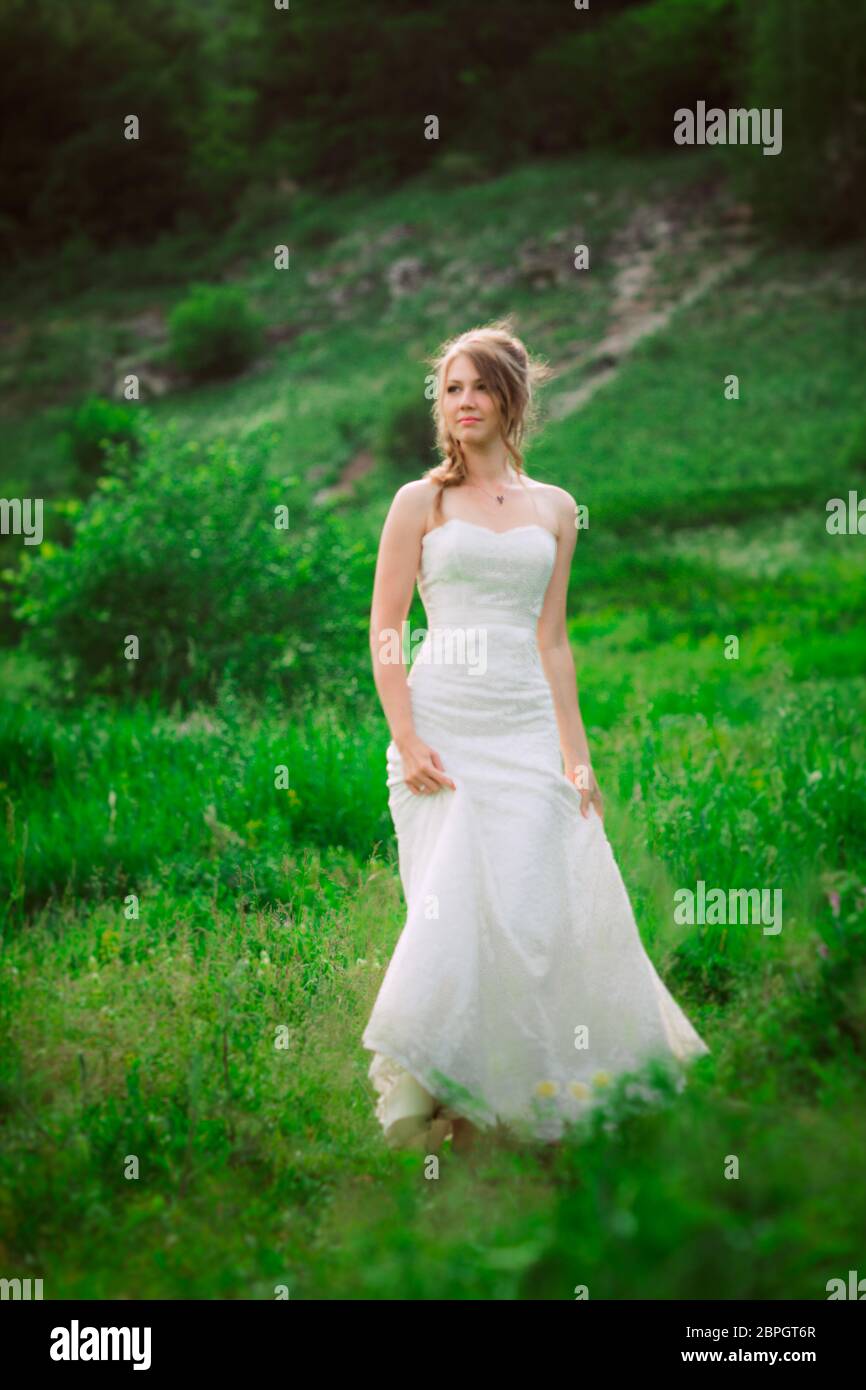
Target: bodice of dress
[477, 665]
[471, 575]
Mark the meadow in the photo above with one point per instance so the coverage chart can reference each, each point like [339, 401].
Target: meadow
[170, 912]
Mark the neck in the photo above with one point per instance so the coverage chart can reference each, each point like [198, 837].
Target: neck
[490, 467]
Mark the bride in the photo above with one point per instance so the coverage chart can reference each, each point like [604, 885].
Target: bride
[519, 989]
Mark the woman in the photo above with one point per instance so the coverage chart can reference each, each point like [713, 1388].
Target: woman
[519, 988]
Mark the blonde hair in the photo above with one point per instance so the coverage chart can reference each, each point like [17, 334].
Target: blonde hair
[510, 374]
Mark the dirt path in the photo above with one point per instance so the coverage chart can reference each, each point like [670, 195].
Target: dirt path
[642, 303]
[636, 312]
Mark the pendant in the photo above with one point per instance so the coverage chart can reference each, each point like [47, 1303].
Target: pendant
[500, 499]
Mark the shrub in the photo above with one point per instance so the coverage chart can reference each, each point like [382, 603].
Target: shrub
[406, 439]
[186, 556]
[620, 82]
[92, 425]
[454, 167]
[214, 333]
[809, 59]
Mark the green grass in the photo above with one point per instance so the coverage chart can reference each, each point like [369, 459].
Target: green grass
[151, 946]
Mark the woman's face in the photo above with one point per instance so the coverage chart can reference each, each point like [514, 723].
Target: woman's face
[468, 405]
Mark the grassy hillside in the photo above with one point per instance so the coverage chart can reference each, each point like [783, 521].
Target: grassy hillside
[153, 1035]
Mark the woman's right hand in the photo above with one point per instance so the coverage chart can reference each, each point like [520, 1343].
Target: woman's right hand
[423, 772]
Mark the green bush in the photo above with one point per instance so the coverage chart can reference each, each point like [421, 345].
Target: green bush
[186, 556]
[620, 82]
[214, 333]
[454, 167]
[405, 438]
[92, 425]
[809, 58]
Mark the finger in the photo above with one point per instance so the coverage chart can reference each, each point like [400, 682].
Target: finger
[437, 770]
[434, 778]
[421, 786]
[573, 783]
[443, 780]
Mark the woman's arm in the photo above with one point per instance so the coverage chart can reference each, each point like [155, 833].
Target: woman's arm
[558, 666]
[396, 567]
[557, 661]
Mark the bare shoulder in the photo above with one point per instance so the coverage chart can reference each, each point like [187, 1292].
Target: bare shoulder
[558, 503]
[411, 505]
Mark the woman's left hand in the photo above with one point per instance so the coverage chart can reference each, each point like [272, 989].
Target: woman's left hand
[590, 795]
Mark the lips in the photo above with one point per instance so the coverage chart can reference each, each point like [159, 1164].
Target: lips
[469, 420]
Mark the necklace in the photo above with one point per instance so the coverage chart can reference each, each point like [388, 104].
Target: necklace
[499, 498]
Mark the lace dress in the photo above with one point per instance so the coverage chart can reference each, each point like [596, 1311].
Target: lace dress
[519, 988]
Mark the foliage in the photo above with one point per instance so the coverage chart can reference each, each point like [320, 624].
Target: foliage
[95, 423]
[186, 556]
[231, 99]
[620, 83]
[213, 332]
[808, 59]
[406, 437]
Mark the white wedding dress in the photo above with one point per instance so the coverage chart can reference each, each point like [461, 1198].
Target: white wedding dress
[519, 989]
